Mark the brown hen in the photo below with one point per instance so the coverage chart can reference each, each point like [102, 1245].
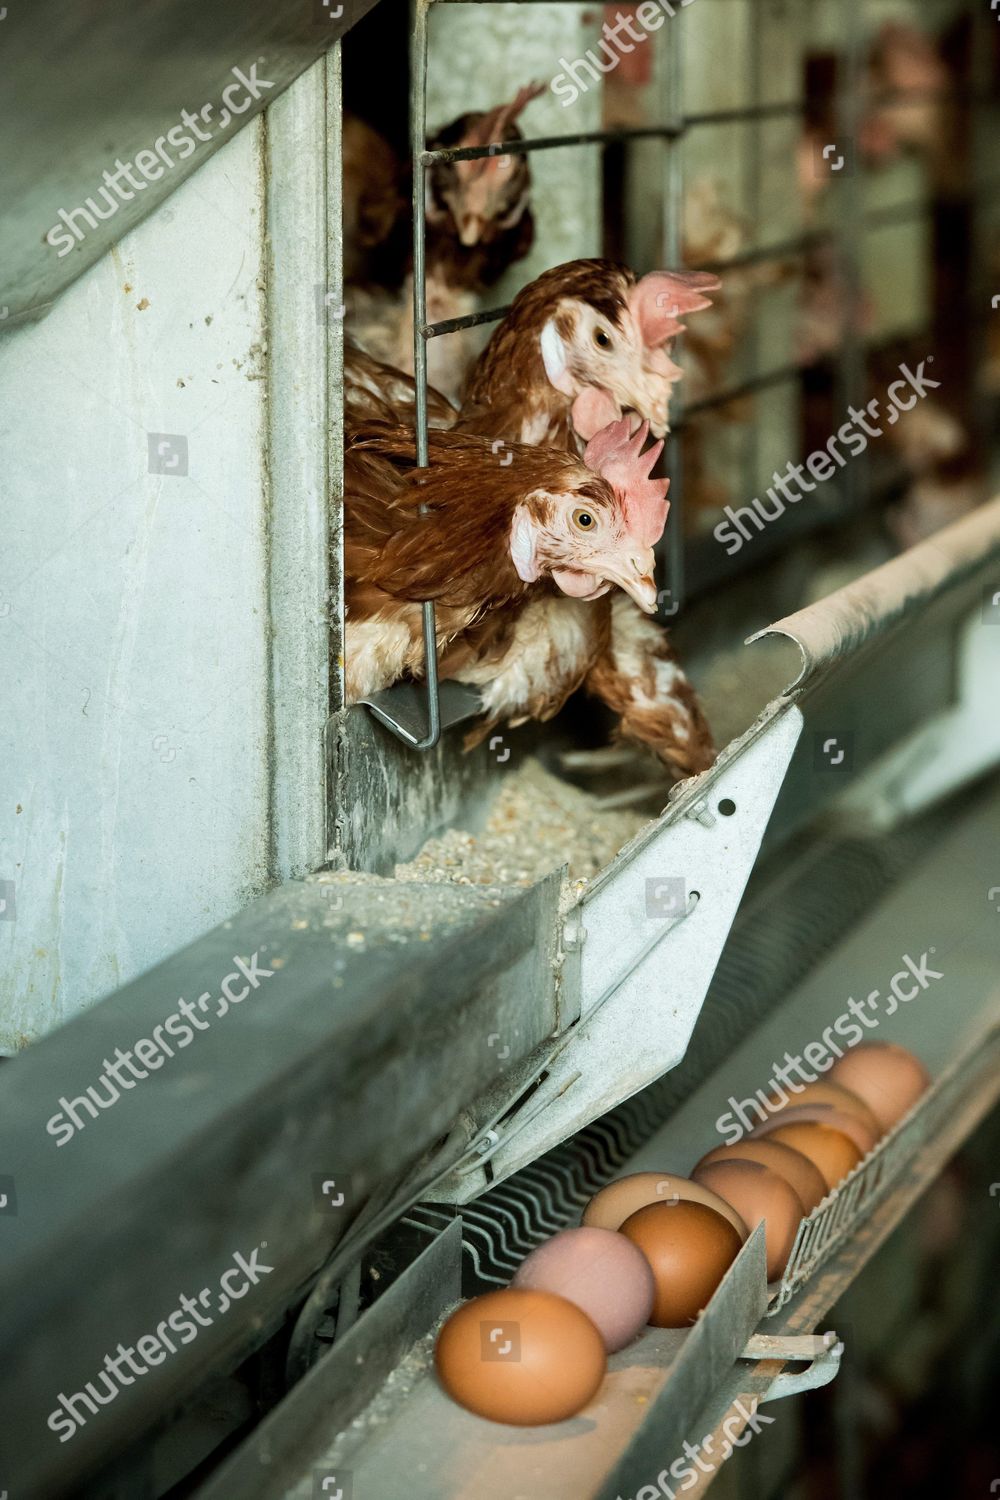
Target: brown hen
[581, 345]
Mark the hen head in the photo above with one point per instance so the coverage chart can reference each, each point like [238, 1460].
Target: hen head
[597, 532]
[592, 332]
[481, 199]
[907, 65]
[609, 352]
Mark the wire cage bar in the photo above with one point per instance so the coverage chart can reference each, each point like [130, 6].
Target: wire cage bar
[418, 137]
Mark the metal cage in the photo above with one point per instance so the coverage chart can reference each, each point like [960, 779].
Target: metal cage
[687, 566]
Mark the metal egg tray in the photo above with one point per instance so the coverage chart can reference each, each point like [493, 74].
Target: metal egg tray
[847, 1205]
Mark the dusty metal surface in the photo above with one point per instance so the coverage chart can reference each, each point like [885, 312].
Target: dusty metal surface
[293, 1440]
[304, 335]
[134, 740]
[151, 86]
[642, 944]
[283, 1123]
[385, 801]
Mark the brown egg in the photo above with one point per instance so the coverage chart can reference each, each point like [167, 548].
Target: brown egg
[803, 1175]
[521, 1357]
[609, 1208]
[603, 1273]
[823, 1091]
[889, 1079]
[690, 1248]
[863, 1136]
[759, 1196]
[834, 1153]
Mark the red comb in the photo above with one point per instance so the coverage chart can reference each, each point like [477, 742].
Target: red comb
[658, 301]
[619, 459]
[492, 125]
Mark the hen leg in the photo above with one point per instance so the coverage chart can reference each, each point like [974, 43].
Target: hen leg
[637, 675]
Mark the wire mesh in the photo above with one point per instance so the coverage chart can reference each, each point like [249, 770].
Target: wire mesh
[845, 237]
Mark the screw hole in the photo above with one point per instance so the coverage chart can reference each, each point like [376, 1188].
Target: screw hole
[727, 807]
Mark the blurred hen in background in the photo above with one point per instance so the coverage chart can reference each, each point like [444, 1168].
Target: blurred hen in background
[479, 224]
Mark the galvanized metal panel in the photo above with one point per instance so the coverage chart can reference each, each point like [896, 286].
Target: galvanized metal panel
[133, 603]
[303, 319]
[643, 970]
[126, 72]
[386, 800]
[292, 1442]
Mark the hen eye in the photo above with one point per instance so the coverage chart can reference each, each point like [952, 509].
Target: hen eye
[583, 520]
[601, 339]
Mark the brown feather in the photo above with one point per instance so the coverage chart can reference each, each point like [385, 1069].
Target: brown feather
[510, 369]
[458, 552]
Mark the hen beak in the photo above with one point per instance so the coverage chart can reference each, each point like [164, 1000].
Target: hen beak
[636, 576]
[642, 406]
[470, 230]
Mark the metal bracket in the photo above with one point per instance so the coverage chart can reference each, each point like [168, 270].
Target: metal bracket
[403, 708]
[822, 1350]
[656, 920]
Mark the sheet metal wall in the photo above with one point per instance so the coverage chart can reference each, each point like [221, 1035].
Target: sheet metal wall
[134, 628]
[166, 635]
[161, 745]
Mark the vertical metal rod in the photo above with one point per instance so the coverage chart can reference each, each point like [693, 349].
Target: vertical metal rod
[335, 359]
[850, 241]
[751, 455]
[418, 141]
[672, 238]
[975, 128]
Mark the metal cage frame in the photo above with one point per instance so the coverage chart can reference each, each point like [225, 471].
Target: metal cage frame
[844, 237]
